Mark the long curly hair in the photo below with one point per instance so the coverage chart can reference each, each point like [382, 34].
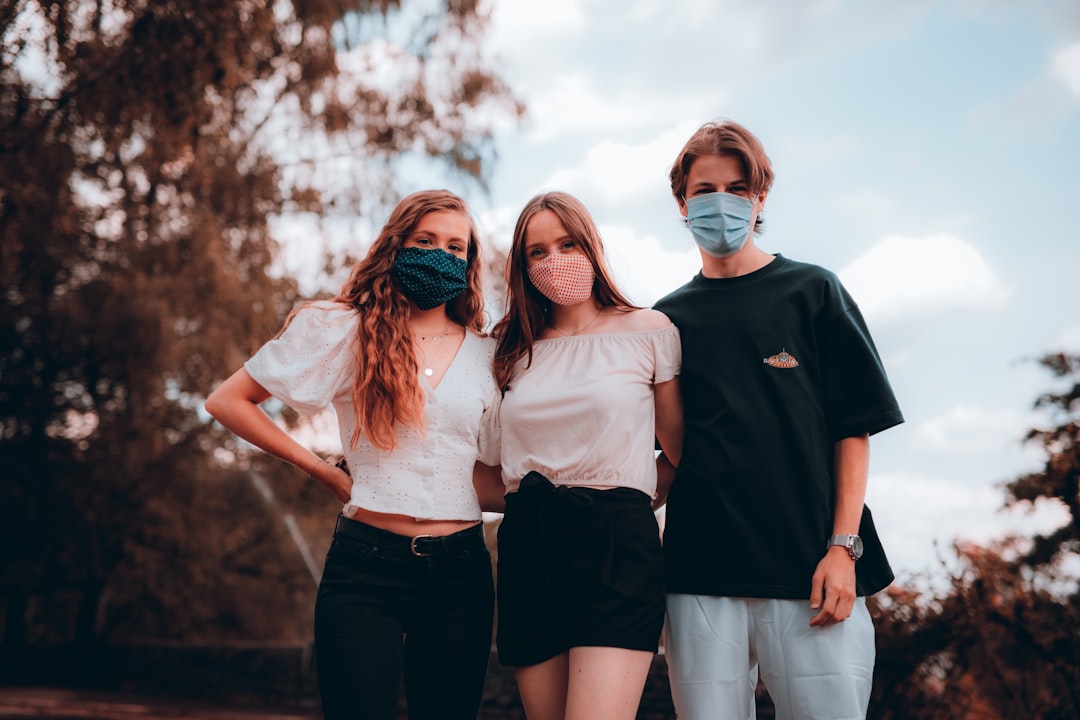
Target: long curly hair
[386, 389]
[528, 311]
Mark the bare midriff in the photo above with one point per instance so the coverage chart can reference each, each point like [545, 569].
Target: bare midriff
[409, 526]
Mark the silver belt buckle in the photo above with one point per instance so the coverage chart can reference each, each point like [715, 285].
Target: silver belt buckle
[412, 545]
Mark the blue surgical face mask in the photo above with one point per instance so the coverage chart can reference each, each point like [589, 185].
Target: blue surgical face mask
[719, 222]
[430, 277]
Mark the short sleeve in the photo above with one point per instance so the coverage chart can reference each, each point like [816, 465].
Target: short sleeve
[857, 395]
[489, 445]
[667, 348]
[308, 363]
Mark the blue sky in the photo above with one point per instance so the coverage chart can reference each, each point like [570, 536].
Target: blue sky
[926, 151]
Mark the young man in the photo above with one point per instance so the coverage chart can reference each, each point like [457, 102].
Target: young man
[770, 549]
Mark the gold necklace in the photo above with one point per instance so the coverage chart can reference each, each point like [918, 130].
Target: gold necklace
[581, 329]
[428, 372]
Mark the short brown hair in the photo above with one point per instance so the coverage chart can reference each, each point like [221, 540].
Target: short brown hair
[723, 138]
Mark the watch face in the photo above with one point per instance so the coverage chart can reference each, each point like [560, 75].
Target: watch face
[856, 547]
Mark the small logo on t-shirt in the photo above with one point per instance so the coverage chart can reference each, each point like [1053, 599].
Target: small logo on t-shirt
[782, 359]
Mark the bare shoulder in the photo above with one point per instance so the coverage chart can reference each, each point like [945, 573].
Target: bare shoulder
[642, 320]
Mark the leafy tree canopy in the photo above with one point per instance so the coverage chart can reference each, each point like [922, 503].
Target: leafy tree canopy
[146, 148]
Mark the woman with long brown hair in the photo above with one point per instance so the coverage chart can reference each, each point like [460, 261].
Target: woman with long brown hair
[589, 380]
[399, 353]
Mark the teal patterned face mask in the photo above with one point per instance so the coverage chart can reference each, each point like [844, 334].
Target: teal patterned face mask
[429, 277]
[719, 222]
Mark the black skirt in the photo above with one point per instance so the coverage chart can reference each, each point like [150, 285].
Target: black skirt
[577, 567]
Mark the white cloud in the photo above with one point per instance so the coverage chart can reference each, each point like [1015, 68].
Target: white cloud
[1040, 101]
[1068, 340]
[517, 22]
[616, 170]
[643, 268]
[571, 102]
[919, 517]
[580, 66]
[1066, 66]
[906, 276]
[574, 102]
[969, 430]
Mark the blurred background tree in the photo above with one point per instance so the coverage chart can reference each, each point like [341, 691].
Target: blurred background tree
[1003, 642]
[147, 148]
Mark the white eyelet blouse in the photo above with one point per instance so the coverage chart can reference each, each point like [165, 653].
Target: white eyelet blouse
[427, 476]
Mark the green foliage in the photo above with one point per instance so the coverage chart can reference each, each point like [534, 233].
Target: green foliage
[1004, 641]
[146, 148]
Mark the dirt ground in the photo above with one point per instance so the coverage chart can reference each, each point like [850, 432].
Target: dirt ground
[57, 704]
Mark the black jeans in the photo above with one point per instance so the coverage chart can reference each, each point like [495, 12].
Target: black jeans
[382, 609]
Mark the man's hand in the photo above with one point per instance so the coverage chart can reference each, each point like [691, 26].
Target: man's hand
[832, 590]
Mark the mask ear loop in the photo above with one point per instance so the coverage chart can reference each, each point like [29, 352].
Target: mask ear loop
[685, 221]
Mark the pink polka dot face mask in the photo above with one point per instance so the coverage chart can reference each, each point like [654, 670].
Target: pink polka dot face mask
[563, 279]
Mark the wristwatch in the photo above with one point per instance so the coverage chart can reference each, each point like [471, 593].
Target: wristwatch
[853, 543]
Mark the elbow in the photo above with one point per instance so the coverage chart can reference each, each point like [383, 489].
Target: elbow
[671, 444]
[214, 405]
[669, 459]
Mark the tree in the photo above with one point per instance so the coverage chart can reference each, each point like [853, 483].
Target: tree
[1059, 480]
[147, 148]
[1004, 641]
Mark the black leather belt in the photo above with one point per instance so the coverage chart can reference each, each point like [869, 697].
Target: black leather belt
[417, 545]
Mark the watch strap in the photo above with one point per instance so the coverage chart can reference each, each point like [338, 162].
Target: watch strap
[846, 541]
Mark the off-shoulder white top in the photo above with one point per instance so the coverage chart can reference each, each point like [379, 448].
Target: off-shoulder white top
[427, 476]
[583, 413]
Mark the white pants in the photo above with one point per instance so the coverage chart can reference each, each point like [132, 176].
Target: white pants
[715, 647]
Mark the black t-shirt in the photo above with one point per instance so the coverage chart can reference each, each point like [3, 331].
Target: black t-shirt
[778, 365]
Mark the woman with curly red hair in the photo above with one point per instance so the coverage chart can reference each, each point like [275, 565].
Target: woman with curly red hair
[400, 354]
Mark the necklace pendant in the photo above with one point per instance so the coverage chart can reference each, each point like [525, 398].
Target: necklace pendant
[429, 372]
